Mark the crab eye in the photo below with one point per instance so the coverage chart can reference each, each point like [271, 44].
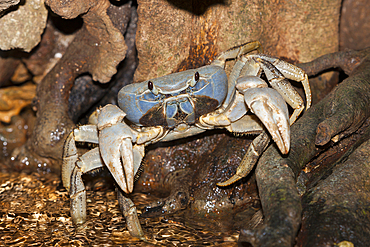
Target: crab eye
[195, 79]
[150, 85]
[196, 76]
[152, 88]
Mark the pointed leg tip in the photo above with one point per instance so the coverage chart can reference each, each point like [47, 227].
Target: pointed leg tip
[222, 184]
[230, 181]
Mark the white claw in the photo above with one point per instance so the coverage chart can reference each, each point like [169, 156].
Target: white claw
[128, 163]
[272, 110]
[113, 148]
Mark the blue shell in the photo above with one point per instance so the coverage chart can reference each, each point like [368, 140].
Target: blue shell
[136, 100]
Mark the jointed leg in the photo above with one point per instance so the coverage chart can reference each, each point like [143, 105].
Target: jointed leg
[72, 170]
[235, 53]
[74, 167]
[129, 211]
[254, 151]
[87, 133]
[281, 84]
[291, 72]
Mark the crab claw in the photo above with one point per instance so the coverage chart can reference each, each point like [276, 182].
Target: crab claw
[272, 110]
[117, 153]
[115, 144]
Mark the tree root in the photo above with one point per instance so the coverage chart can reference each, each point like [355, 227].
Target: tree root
[338, 115]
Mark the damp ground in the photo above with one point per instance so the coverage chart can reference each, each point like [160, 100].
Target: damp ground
[34, 211]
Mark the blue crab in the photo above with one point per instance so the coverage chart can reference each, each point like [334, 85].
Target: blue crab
[180, 105]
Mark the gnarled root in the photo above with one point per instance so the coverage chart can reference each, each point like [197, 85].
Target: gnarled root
[339, 114]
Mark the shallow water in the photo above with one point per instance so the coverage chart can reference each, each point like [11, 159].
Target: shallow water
[35, 212]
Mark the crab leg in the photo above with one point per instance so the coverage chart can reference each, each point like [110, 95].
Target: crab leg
[72, 170]
[237, 51]
[233, 53]
[74, 167]
[254, 151]
[87, 133]
[129, 211]
[286, 90]
[292, 72]
[277, 81]
[272, 111]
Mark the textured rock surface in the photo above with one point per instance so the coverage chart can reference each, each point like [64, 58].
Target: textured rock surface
[176, 35]
[4, 4]
[98, 47]
[14, 99]
[23, 26]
